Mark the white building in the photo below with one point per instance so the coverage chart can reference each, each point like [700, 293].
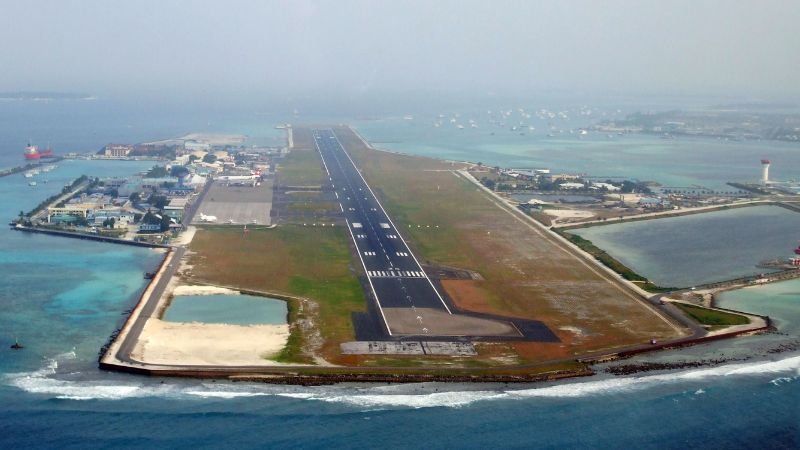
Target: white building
[609, 187]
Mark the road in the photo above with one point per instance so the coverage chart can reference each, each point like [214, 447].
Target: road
[148, 308]
[131, 337]
[395, 276]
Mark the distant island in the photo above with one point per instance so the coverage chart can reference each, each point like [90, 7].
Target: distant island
[732, 122]
[44, 95]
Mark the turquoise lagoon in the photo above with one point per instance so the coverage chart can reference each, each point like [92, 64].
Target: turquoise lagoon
[681, 161]
[64, 297]
[227, 309]
[700, 248]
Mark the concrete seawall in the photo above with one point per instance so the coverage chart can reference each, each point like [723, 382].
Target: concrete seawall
[681, 343]
[89, 237]
[122, 344]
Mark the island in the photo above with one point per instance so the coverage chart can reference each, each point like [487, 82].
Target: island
[396, 268]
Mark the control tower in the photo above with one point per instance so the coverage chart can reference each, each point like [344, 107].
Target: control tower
[764, 171]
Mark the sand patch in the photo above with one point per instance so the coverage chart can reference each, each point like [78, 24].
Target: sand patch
[209, 344]
[185, 237]
[568, 213]
[203, 290]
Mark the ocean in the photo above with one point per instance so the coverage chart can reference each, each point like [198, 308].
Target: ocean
[62, 298]
[676, 162]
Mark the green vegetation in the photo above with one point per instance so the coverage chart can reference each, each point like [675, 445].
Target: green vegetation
[449, 221]
[525, 273]
[610, 262]
[293, 351]
[712, 317]
[305, 262]
[301, 167]
[319, 208]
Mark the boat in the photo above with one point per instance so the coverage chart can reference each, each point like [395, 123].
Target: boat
[32, 183]
[32, 153]
[16, 345]
[797, 250]
[149, 275]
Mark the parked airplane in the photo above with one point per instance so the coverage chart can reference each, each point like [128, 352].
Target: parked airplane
[205, 218]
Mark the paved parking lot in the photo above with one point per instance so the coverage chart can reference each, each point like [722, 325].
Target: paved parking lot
[237, 204]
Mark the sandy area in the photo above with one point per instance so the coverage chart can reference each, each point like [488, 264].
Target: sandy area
[186, 237]
[568, 213]
[210, 138]
[203, 290]
[216, 139]
[209, 344]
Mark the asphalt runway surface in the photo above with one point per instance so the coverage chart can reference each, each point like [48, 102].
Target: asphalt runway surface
[395, 276]
[407, 302]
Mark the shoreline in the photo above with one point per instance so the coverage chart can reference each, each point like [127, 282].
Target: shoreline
[324, 374]
[86, 236]
[676, 213]
[310, 374]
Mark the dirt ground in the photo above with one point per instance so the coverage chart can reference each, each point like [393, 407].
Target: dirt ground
[527, 273]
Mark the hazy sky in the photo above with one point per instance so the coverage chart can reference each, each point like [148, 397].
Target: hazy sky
[368, 46]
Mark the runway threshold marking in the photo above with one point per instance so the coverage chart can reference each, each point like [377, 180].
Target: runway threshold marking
[439, 296]
[395, 274]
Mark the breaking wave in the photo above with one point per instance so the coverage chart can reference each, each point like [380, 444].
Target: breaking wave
[46, 381]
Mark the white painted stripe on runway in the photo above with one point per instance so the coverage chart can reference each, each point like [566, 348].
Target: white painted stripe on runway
[356, 225]
[390, 221]
[369, 280]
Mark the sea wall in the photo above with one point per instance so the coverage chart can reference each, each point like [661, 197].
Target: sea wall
[90, 237]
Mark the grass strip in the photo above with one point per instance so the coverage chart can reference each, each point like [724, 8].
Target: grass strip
[612, 263]
[712, 317]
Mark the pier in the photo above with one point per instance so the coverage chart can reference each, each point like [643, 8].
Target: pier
[89, 237]
[29, 166]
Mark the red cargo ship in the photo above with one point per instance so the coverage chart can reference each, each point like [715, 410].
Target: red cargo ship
[33, 153]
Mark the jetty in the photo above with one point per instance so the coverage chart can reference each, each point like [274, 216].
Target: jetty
[86, 236]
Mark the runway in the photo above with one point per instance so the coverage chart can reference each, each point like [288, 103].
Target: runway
[394, 274]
